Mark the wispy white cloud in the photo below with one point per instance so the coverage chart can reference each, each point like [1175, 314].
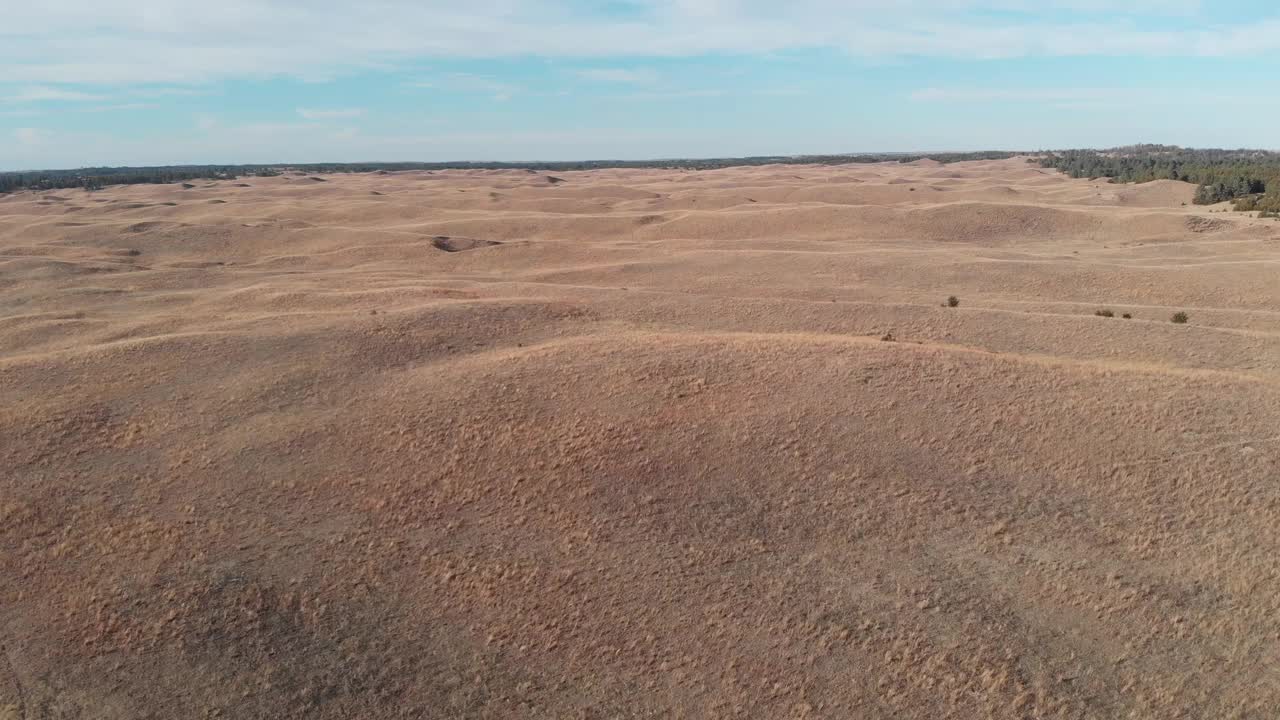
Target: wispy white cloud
[95, 42]
[619, 75]
[121, 107]
[692, 93]
[40, 93]
[461, 82]
[1081, 97]
[781, 91]
[33, 94]
[983, 95]
[672, 95]
[159, 92]
[314, 114]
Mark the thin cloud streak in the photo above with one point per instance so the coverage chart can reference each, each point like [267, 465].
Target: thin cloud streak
[1066, 97]
[50, 94]
[619, 75]
[327, 38]
[314, 114]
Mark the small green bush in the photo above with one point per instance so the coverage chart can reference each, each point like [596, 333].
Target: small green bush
[953, 301]
[1179, 318]
[1104, 313]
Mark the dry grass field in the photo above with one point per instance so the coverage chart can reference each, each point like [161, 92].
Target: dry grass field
[639, 444]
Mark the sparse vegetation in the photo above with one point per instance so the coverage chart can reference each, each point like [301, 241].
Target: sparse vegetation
[1179, 318]
[1104, 313]
[430, 531]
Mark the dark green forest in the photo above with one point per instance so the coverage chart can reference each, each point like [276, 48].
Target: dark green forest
[1250, 178]
[98, 177]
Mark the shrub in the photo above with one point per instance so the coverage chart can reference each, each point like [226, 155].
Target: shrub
[1127, 316]
[1179, 318]
[1104, 313]
[953, 301]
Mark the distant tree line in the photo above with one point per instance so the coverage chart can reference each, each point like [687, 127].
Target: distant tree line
[1251, 178]
[99, 177]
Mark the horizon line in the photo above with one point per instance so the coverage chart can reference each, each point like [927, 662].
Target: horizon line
[605, 162]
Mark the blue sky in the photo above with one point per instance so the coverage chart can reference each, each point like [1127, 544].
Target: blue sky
[91, 82]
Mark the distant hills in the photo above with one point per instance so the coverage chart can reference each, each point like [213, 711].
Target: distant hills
[1249, 178]
[96, 177]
